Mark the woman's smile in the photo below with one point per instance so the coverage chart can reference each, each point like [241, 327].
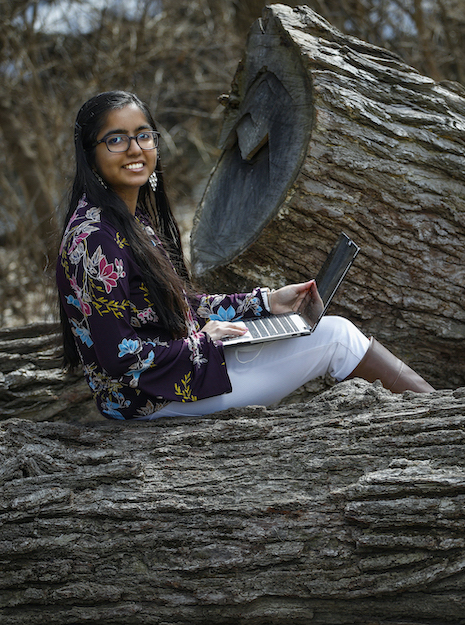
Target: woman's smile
[134, 166]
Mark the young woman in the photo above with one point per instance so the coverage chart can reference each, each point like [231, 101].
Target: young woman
[150, 347]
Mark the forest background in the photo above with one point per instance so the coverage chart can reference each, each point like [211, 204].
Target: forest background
[178, 56]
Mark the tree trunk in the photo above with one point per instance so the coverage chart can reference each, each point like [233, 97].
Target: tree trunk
[38, 191]
[349, 509]
[32, 382]
[324, 133]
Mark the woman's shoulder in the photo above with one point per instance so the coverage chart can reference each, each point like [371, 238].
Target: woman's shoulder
[85, 212]
[88, 222]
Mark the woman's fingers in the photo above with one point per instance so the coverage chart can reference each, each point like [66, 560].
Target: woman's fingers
[290, 297]
[312, 304]
[221, 329]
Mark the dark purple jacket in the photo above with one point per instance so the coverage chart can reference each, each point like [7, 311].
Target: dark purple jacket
[131, 364]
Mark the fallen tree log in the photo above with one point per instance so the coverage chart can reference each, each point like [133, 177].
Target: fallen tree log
[326, 133]
[33, 384]
[349, 509]
[346, 509]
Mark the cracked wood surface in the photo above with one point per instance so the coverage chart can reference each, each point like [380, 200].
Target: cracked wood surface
[32, 382]
[347, 509]
[381, 153]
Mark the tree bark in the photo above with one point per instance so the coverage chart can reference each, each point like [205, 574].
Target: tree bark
[349, 509]
[325, 133]
[33, 384]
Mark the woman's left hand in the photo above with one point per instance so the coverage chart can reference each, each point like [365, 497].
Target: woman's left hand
[289, 298]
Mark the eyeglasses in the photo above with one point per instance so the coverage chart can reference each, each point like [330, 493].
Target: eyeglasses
[147, 140]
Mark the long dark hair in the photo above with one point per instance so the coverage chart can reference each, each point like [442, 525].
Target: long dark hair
[166, 286]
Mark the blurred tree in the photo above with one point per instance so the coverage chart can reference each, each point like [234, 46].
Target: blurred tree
[427, 34]
[177, 56]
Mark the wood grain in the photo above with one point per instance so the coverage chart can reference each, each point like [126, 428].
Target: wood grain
[383, 162]
[348, 509]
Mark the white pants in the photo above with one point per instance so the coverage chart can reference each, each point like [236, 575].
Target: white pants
[265, 373]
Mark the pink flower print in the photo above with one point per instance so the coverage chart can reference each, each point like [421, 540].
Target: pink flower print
[147, 315]
[107, 274]
[76, 240]
[84, 306]
[120, 268]
[86, 309]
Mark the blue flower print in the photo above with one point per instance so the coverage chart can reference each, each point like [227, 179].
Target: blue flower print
[136, 370]
[73, 301]
[250, 302]
[110, 407]
[256, 306]
[129, 346]
[223, 315]
[82, 333]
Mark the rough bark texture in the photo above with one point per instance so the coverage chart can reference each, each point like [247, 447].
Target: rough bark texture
[349, 509]
[346, 509]
[379, 155]
[32, 382]
[34, 386]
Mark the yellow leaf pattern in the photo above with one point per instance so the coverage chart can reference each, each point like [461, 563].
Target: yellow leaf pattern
[184, 389]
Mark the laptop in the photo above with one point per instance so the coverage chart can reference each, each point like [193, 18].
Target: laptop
[328, 280]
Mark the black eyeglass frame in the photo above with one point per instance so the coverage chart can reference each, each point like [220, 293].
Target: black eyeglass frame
[154, 133]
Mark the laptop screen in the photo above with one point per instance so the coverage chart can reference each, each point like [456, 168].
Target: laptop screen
[330, 276]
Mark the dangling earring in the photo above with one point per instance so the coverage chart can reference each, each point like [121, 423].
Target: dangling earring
[101, 180]
[153, 180]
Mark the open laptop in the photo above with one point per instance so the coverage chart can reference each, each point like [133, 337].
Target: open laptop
[330, 276]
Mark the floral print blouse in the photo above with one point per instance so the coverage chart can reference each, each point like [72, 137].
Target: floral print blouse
[130, 361]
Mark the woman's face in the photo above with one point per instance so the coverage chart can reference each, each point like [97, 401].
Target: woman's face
[125, 172]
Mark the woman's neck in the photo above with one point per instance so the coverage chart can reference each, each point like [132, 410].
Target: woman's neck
[130, 199]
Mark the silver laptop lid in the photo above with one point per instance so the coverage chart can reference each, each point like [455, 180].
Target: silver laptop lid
[328, 280]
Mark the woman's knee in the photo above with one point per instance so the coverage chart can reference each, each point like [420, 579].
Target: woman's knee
[337, 327]
[343, 332]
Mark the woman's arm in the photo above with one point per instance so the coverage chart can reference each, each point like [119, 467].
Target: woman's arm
[218, 314]
[222, 310]
[117, 329]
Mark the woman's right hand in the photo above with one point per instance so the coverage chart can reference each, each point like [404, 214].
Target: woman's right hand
[218, 330]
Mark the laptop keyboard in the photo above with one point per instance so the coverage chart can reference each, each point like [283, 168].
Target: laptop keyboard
[276, 325]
